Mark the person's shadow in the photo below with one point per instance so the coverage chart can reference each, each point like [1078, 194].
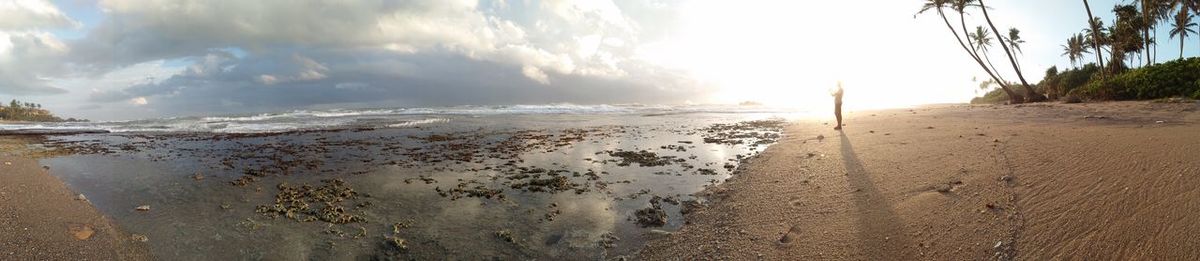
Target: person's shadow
[880, 230]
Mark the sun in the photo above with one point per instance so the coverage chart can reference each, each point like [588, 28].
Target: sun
[790, 53]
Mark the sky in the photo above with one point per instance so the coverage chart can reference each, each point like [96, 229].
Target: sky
[135, 59]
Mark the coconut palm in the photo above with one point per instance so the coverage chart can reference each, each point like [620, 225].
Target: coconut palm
[1033, 95]
[960, 7]
[981, 40]
[1075, 48]
[1014, 40]
[1181, 27]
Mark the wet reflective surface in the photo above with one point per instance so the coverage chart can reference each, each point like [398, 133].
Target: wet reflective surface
[463, 187]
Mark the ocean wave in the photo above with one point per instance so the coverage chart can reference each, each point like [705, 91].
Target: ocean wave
[371, 118]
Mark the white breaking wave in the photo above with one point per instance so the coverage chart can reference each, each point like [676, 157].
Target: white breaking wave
[370, 118]
[418, 122]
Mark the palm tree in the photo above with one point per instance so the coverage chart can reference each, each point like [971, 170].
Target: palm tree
[1094, 31]
[1180, 28]
[1074, 49]
[960, 7]
[1014, 40]
[1033, 95]
[981, 40]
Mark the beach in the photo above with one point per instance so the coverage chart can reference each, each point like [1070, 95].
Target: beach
[1110, 180]
[42, 219]
[1114, 180]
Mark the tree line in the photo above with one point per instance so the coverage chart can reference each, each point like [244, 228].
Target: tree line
[1129, 39]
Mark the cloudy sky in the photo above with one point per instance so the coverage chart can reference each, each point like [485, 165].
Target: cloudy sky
[129, 59]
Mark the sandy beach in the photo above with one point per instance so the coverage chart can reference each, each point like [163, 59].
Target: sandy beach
[963, 182]
[42, 219]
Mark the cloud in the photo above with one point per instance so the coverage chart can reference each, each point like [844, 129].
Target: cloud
[26, 58]
[275, 54]
[32, 14]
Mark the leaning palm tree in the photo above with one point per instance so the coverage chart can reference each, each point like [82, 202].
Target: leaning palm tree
[1033, 95]
[1181, 28]
[960, 7]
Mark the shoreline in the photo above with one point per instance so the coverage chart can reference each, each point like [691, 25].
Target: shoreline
[961, 182]
[43, 219]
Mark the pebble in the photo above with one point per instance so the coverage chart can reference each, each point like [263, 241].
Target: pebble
[143, 208]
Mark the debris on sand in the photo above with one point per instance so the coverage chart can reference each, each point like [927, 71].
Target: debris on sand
[81, 231]
[143, 208]
[139, 238]
[689, 206]
[198, 176]
[505, 236]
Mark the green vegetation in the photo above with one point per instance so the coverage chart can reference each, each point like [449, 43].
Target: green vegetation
[1131, 71]
[1178, 78]
[27, 111]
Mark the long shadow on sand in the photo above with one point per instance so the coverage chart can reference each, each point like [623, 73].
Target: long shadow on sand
[881, 231]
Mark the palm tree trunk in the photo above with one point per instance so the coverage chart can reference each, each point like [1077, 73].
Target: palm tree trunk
[1012, 96]
[1032, 94]
[1095, 38]
[1145, 34]
[989, 63]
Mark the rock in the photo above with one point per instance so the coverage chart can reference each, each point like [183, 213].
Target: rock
[143, 208]
[7, 163]
[82, 231]
[942, 188]
[657, 232]
[652, 216]
[820, 137]
[1006, 178]
[139, 238]
[80, 197]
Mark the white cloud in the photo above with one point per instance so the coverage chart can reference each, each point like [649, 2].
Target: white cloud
[139, 101]
[535, 74]
[32, 14]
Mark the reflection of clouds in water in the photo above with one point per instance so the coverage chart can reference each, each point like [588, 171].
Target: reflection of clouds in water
[583, 220]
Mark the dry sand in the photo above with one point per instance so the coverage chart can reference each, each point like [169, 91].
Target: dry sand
[41, 219]
[958, 182]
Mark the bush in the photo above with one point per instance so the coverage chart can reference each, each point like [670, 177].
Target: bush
[1178, 78]
[1060, 84]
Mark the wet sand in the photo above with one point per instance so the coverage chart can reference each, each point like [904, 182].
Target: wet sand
[41, 219]
[957, 182]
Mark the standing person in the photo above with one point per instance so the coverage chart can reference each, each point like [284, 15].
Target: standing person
[837, 105]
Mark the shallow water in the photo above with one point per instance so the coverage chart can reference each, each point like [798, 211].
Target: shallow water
[460, 187]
